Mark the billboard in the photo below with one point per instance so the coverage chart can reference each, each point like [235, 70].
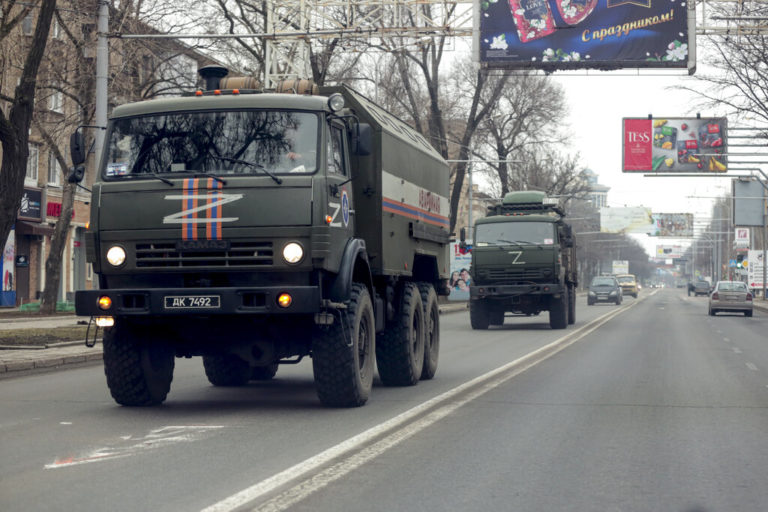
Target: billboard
[748, 202]
[755, 269]
[676, 225]
[620, 267]
[580, 34]
[675, 144]
[669, 251]
[460, 279]
[637, 219]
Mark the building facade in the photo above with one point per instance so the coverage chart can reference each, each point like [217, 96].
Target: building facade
[64, 102]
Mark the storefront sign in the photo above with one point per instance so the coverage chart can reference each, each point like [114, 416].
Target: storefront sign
[31, 205]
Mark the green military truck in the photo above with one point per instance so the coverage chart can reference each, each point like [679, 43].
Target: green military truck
[523, 262]
[255, 228]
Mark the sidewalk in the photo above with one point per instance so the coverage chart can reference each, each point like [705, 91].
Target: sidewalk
[15, 362]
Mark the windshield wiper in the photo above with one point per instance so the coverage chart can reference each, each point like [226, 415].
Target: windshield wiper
[157, 176]
[208, 174]
[251, 164]
[519, 242]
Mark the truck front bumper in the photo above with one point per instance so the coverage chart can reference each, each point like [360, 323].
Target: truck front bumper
[513, 290]
[198, 301]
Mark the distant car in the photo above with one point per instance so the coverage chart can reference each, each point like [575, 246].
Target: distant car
[730, 296]
[604, 289]
[628, 284]
[701, 288]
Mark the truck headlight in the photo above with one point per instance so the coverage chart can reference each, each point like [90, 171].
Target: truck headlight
[116, 255]
[293, 252]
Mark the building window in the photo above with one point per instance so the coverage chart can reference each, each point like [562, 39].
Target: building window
[56, 101]
[54, 170]
[32, 163]
[28, 25]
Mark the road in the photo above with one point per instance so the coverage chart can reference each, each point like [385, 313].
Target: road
[649, 406]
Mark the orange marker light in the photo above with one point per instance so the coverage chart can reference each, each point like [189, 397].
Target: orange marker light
[284, 300]
[105, 302]
[217, 92]
[328, 219]
[198, 93]
[235, 91]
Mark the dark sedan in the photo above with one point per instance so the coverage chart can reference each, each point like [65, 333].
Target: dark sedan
[604, 289]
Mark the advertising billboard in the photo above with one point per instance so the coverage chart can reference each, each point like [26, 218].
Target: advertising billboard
[675, 225]
[669, 251]
[460, 280]
[673, 145]
[579, 34]
[755, 269]
[637, 219]
[748, 202]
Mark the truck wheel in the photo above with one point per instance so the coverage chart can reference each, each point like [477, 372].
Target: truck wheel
[137, 373]
[571, 305]
[342, 353]
[432, 324]
[226, 370]
[264, 372]
[558, 312]
[400, 355]
[478, 315]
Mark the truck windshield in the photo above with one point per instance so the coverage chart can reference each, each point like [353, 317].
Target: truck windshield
[515, 233]
[223, 142]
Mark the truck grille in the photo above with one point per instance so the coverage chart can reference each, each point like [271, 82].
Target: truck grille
[240, 254]
[514, 275]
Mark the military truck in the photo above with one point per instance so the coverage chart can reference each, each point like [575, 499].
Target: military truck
[254, 228]
[522, 262]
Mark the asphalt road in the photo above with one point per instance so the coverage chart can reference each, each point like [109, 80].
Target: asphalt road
[649, 406]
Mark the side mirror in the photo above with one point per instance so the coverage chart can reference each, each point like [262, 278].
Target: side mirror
[76, 174]
[463, 234]
[77, 148]
[362, 139]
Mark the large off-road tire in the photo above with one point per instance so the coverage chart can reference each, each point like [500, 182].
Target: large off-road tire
[342, 353]
[400, 351]
[264, 372]
[571, 305]
[496, 317]
[479, 317]
[432, 333]
[226, 370]
[558, 312]
[139, 369]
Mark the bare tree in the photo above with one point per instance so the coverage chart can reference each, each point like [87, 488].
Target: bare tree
[526, 118]
[739, 81]
[14, 129]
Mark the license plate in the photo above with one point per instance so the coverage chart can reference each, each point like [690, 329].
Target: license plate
[192, 302]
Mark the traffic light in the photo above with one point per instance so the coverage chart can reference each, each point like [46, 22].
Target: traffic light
[740, 261]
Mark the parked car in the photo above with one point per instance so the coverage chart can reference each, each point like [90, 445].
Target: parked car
[604, 289]
[628, 284]
[730, 296]
[701, 287]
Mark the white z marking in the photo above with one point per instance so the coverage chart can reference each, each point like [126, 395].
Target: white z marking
[337, 208]
[517, 255]
[178, 218]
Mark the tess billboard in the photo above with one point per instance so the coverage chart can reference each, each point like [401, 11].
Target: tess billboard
[675, 144]
[579, 34]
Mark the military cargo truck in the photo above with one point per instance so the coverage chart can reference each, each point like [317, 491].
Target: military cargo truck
[255, 228]
[522, 262]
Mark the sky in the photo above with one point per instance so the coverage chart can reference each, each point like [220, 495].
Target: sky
[598, 102]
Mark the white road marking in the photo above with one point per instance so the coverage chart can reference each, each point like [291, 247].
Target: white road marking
[157, 438]
[751, 367]
[727, 340]
[736, 350]
[65, 423]
[396, 429]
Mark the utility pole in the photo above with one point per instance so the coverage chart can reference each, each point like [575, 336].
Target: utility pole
[102, 78]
